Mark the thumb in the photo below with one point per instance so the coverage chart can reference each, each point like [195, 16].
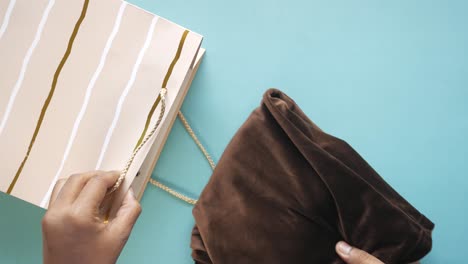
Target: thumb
[127, 215]
[352, 255]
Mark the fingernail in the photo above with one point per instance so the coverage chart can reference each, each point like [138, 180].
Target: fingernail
[132, 193]
[344, 248]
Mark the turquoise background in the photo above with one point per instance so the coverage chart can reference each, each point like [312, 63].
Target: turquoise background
[389, 77]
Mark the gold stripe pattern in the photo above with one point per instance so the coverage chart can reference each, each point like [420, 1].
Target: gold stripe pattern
[166, 80]
[51, 93]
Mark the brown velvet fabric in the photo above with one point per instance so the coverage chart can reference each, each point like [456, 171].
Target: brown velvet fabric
[284, 191]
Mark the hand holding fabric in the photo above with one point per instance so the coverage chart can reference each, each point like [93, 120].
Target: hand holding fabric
[352, 255]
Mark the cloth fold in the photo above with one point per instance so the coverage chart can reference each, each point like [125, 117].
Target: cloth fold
[284, 191]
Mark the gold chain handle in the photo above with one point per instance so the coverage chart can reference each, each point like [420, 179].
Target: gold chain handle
[124, 172]
[203, 150]
[195, 138]
[172, 192]
[156, 183]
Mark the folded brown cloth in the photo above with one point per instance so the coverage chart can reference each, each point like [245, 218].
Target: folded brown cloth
[284, 191]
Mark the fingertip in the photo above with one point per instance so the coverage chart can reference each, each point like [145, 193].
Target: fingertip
[131, 193]
[353, 255]
[129, 197]
[114, 172]
[131, 201]
[127, 214]
[109, 178]
[343, 248]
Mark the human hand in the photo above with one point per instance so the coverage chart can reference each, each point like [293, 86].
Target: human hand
[73, 229]
[352, 255]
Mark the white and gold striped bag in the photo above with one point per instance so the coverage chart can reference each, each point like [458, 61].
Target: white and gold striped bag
[87, 85]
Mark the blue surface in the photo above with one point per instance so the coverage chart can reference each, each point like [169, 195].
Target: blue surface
[389, 77]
